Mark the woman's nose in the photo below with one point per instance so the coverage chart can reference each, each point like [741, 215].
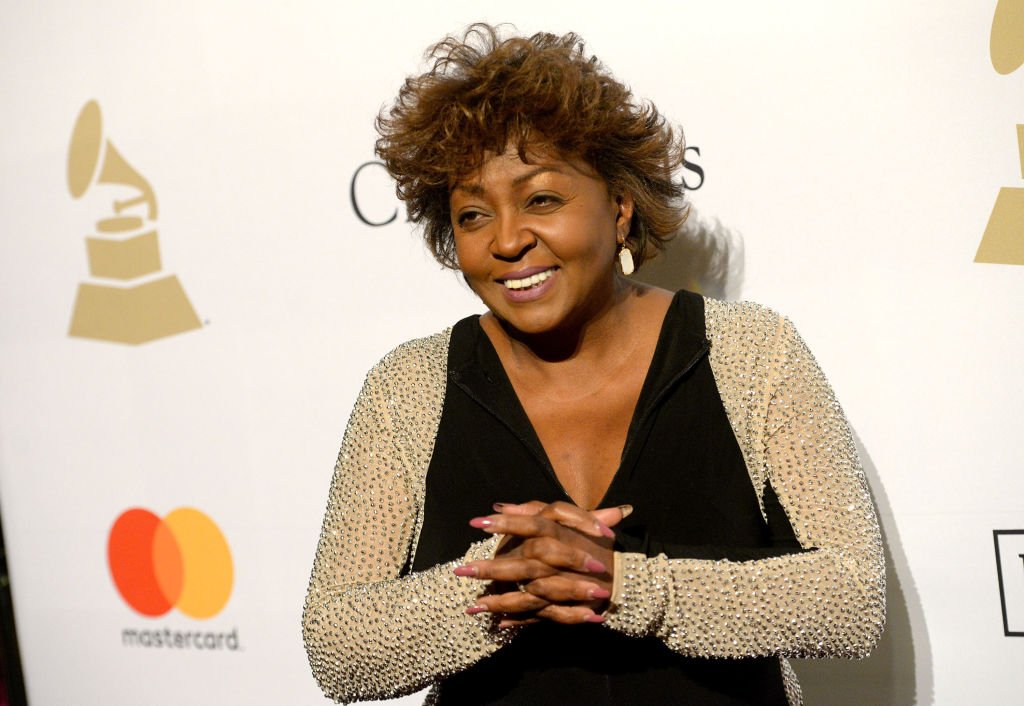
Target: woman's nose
[512, 239]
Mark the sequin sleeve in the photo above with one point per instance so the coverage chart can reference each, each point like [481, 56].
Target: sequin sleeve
[371, 633]
[828, 601]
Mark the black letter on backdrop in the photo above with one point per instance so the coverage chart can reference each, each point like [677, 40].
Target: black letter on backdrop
[355, 204]
[693, 167]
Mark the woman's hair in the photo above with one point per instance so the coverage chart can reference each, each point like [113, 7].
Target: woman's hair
[484, 94]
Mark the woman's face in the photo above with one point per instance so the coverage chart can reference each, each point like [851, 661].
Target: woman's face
[537, 242]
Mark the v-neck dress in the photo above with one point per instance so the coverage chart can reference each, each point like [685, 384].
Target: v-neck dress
[682, 471]
[753, 535]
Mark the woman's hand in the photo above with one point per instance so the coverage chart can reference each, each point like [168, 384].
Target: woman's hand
[560, 557]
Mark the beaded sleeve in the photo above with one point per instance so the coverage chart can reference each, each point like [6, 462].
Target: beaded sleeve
[829, 601]
[370, 632]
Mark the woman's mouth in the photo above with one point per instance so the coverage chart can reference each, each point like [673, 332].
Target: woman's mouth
[530, 282]
[531, 285]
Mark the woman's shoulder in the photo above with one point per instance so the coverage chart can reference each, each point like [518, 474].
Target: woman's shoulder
[752, 331]
[410, 380]
[747, 328]
[745, 319]
[416, 356]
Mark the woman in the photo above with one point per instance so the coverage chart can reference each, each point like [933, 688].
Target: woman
[666, 480]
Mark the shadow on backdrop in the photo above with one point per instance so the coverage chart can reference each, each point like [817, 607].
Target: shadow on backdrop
[705, 257]
[899, 666]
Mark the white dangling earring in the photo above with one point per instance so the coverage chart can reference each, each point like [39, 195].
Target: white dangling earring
[625, 260]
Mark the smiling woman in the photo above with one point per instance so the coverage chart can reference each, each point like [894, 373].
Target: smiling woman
[667, 480]
[534, 240]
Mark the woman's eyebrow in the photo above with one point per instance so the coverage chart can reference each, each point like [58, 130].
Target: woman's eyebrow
[477, 189]
[522, 178]
[471, 189]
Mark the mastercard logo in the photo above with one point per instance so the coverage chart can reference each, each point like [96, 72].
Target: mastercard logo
[181, 561]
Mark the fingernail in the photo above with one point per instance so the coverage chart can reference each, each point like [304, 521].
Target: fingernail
[594, 618]
[626, 510]
[465, 571]
[606, 531]
[474, 609]
[481, 522]
[599, 593]
[594, 566]
[505, 625]
[497, 506]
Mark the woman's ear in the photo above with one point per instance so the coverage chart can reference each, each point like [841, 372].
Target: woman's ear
[624, 215]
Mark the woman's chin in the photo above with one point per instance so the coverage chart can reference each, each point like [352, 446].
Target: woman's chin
[531, 326]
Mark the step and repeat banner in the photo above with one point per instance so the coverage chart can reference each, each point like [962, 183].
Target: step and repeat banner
[201, 257]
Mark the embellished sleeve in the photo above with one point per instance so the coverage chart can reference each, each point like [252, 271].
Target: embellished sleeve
[826, 601]
[371, 632]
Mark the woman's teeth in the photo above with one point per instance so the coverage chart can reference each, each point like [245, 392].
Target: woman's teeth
[527, 282]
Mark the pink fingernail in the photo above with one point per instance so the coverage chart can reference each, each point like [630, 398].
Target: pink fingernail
[606, 531]
[474, 609]
[465, 571]
[594, 566]
[497, 506]
[600, 593]
[481, 522]
[594, 618]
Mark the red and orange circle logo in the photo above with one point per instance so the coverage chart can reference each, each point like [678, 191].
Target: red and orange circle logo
[180, 561]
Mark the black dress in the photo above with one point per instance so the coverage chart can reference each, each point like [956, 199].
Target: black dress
[681, 470]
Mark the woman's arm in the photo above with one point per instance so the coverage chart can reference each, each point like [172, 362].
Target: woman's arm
[829, 601]
[370, 634]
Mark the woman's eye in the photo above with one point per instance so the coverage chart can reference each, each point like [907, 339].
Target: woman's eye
[542, 200]
[468, 218]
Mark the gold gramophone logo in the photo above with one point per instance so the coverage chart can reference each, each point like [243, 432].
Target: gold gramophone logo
[131, 302]
[1003, 241]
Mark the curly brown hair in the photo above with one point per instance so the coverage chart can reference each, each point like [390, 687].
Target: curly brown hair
[484, 93]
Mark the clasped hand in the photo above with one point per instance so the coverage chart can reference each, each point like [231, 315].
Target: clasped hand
[555, 563]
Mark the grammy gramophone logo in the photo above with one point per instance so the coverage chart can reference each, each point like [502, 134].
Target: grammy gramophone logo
[1003, 241]
[130, 299]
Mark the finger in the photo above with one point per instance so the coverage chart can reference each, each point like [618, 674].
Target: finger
[531, 508]
[612, 516]
[517, 525]
[513, 622]
[570, 615]
[525, 524]
[558, 554]
[537, 558]
[569, 515]
[510, 603]
[510, 569]
[562, 589]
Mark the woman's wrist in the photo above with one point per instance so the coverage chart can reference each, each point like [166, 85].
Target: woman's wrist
[617, 587]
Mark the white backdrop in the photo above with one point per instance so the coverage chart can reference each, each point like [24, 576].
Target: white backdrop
[856, 148]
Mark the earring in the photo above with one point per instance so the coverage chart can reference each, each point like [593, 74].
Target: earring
[625, 260]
